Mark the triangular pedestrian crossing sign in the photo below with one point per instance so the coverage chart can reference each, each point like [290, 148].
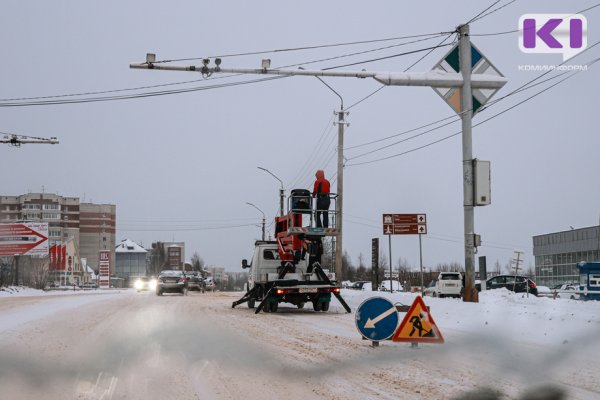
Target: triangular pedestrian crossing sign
[418, 326]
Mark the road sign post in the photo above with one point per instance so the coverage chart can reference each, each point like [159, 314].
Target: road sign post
[376, 319]
[375, 263]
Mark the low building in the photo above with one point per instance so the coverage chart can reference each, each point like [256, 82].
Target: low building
[130, 260]
[557, 254]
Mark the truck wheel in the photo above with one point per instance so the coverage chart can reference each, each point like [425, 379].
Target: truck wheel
[325, 306]
[300, 305]
[274, 306]
[251, 303]
[317, 305]
[159, 292]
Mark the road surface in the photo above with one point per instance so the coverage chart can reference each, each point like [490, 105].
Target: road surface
[128, 345]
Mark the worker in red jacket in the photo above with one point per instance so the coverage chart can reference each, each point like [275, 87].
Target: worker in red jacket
[321, 192]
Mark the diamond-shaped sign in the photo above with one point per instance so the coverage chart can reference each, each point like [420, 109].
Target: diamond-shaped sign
[479, 65]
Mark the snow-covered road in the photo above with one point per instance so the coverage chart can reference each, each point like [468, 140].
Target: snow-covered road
[128, 345]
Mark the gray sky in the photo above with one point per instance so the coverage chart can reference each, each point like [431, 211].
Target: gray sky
[183, 163]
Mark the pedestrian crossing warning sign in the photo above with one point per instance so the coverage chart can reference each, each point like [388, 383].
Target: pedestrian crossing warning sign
[418, 326]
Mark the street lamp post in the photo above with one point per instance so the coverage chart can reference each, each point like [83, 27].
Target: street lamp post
[263, 219]
[281, 190]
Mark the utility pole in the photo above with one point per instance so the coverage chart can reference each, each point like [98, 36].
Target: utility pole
[340, 195]
[466, 98]
[263, 219]
[281, 190]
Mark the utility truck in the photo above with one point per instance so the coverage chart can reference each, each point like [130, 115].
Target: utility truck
[288, 269]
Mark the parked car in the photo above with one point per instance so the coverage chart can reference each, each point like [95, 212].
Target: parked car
[195, 281]
[385, 286]
[565, 291]
[516, 283]
[447, 284]
[171, 281]
[358, 285]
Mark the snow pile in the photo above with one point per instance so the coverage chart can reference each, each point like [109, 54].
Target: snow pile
[21, 291]
[504, 314]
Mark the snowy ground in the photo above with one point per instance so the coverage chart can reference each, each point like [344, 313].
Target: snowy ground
[128, 345]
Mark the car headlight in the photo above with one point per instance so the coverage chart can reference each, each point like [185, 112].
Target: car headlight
[152, 284]
[138, 284]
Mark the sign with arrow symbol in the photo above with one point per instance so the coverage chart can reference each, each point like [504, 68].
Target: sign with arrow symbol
[404, 224]
[25, 238]
[376, 319]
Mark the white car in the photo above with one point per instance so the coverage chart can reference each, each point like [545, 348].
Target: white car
[385, 286]
[566, 291]
[448, 284]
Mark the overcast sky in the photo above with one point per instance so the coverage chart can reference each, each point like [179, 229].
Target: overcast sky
[179, 164]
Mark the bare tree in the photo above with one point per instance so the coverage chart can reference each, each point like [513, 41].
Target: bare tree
[361, 269]
[197, 262]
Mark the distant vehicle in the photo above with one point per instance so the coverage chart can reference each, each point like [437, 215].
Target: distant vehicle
[544, 291]
[447, 284]
[171, 281]
[88, 285]
[195, 281]
[144, 283]
[385, 286]
[358, 285]
[209, 285]
[516, 283]
[566, 291]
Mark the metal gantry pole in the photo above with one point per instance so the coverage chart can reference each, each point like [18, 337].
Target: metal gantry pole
[466, 102]
[340, 195]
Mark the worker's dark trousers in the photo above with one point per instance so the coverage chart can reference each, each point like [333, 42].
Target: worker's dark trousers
[322, 208]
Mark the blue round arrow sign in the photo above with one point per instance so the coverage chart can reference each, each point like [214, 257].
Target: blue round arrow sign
[376, 319]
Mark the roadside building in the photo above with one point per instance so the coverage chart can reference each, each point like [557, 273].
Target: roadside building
[91, 226]
[130, 260]
[557, 254]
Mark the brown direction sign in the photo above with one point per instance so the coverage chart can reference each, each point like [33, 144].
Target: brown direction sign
[404, 224]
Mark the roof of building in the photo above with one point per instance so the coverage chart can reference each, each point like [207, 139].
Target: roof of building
[129, 246]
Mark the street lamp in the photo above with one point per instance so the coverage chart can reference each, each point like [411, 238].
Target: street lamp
[263, 219]
[281, 190]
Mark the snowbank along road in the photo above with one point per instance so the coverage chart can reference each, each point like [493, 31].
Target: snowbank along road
[128, 345]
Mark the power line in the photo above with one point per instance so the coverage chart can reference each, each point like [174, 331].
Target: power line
[491, 12]
[313, 47]
[179, 229]
[43, 100]
[386, 57]
[477, 16]
[475, 125]
[314, 151]
[140, 95]
[526, 86]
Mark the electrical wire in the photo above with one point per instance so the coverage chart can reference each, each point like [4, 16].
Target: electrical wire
[477, 16]
[43, 100]
[475, 125]
[526, 86]
[140, 95]
[314, 151]
[385, 57]
[180, 229]
[313, 47]
[491, 12]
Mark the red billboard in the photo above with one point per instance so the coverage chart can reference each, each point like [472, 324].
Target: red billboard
[26, 238]
[104, 269]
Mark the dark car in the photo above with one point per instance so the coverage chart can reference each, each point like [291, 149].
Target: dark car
[195, 281]
[358, 285]
[515, 283]
[171, 281]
